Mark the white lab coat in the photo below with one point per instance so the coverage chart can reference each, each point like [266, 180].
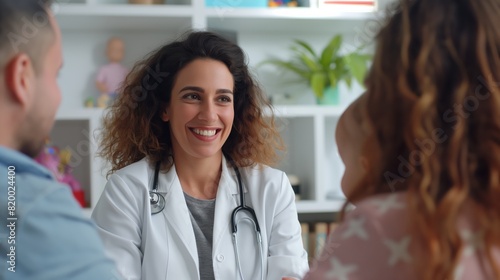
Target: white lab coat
[163, 246]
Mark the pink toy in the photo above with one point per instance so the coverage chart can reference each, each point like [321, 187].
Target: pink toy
[111, 76]
[57, 162]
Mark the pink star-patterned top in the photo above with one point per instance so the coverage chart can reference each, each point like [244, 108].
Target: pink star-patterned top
[374, 243]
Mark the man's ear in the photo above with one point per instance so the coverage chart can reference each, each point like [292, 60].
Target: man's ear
[18, 78]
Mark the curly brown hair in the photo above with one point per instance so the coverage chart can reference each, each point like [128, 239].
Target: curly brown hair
[133, 128]
[436, 67]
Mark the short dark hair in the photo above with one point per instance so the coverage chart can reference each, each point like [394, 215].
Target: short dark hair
[25, 28]
[133, 129]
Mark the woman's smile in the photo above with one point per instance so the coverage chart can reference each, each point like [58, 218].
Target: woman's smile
[205, 134]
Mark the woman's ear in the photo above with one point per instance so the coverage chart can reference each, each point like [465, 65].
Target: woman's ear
[165, 116]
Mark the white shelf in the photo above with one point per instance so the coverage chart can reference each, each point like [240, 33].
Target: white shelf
[79, 114]
[123, 17]
[310, 20]
[285, 13]
[308, 110]
[182, 17]
[124, 10]
[327, 206]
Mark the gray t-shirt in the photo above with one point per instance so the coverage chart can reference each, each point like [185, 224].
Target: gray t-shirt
[202, 218]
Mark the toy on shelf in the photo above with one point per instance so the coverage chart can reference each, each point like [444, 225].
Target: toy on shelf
[58, 163]
[103, 101]
[111, 76]
[89, 102]
[283, 3]
[146, 2]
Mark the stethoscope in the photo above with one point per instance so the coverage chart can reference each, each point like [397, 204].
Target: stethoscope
[157, 203]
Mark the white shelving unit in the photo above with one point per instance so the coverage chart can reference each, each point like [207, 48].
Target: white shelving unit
[285, 20]
[308, 130]
[124, 17]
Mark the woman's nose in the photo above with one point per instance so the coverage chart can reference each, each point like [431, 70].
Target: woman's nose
[207, 112]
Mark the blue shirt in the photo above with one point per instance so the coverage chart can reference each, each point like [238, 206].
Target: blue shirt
[43, 233]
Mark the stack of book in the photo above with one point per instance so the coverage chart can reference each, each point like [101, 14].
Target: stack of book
[314, 237]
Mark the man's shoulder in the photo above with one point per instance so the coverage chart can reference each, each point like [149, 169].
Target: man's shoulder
[51, 223]
[30, 188]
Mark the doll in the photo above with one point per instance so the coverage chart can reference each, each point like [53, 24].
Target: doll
[111, 75]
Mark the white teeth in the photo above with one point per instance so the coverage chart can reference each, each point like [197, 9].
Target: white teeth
[204, 132]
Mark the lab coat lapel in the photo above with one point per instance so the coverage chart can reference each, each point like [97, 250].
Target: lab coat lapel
[226, 201]
[177, 215]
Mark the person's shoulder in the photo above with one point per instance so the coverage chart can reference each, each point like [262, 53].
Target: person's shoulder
[265, 175]
[383, 204]
[46, 201]
[31, 187]
[263, 170]
[58, 199]
[134, 177]
[137, 169]
[387, 212]
[55, 224]
[270, 180]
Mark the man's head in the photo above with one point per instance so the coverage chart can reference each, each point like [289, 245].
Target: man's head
[30, 59]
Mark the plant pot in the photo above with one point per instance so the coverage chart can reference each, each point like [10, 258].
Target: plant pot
[330, 96]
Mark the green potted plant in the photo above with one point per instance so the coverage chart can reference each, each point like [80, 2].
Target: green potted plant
[322, 72]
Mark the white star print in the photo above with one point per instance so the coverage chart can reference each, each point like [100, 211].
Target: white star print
[355, 227]
[473, 241]
[385, 204]
[399, 250]
[340, 271]
[459, 271]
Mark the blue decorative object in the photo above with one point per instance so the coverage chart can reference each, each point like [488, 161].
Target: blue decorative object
[236, 3]
[330, 96]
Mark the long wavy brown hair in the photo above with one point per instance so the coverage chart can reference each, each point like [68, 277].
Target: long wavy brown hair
[437, 67]
[133, 128]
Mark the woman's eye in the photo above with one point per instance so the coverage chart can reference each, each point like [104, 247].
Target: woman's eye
[225, 99]
[192, 96]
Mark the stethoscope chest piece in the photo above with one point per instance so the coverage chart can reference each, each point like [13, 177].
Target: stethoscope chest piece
[156, 199]
[157, 202]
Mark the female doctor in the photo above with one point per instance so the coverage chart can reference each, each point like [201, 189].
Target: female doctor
[191, 194]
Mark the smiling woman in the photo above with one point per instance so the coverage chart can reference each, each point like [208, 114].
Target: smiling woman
[193, 111]
[200, 112]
